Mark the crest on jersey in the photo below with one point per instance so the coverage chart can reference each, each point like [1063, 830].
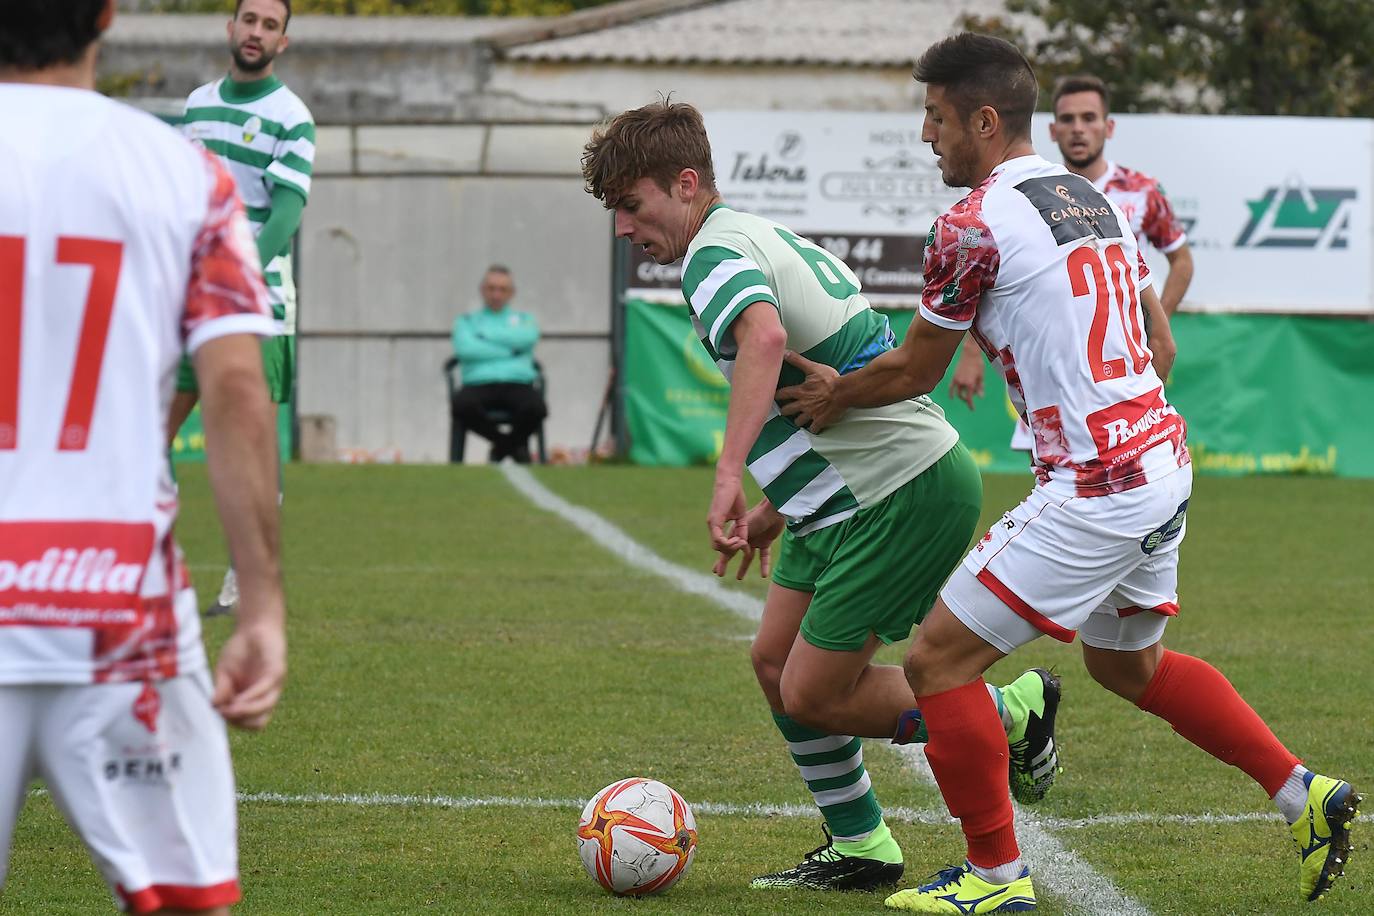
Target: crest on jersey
[251, 128]
[1071, 207]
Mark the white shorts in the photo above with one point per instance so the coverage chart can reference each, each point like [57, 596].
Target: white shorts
[1105, 567]
[141, 772]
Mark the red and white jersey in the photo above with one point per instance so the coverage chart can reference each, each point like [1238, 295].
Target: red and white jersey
[1046, 271]
[121, 244]
[1147, 209]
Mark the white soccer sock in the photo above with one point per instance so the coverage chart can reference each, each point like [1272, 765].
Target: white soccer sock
[1292, 798]
[1001, 874]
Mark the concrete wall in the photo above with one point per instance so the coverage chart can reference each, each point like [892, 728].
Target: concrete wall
[402, 222]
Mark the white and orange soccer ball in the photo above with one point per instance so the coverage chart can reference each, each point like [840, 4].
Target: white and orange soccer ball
[637, 836]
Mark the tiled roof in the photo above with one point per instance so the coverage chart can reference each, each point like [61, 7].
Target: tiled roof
[182, 29]
[850, 32]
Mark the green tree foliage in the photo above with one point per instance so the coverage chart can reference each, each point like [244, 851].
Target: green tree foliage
[1289, 57]
[402, 7]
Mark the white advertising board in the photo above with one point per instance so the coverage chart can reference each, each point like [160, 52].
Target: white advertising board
[1278, 210]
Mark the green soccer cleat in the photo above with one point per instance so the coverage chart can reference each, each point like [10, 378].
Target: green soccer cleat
[1322, 833]
[827, 869]
[957, 889]
[1033, 700]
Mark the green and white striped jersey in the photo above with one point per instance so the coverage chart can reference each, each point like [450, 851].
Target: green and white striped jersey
[266, 138]
[738, 259]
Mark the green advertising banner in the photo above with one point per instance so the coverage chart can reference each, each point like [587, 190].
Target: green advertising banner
[189, 444]
[1261, 394]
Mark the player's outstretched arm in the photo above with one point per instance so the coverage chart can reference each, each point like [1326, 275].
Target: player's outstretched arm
[1161, 337]
[760, 340]
[912, 369]
[241, 450]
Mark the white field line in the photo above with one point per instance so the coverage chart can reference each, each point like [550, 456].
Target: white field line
[928, 817]
[1070, 877]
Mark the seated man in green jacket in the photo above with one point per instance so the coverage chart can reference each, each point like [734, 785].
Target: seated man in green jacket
[495, 347]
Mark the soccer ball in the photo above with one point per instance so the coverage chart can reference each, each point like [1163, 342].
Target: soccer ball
[637, 836]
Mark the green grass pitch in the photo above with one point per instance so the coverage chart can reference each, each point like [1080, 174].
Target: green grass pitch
[450, 640]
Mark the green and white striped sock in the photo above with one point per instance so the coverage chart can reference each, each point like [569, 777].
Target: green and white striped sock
[833, 768]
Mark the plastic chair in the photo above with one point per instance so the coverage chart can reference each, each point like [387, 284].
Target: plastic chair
[457, 432]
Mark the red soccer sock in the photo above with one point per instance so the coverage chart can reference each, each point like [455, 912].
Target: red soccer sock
[1202, 706]
[967, 751]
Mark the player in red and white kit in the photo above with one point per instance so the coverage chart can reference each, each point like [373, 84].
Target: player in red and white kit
[120, 245]
[1081, 128]
[1043, 270]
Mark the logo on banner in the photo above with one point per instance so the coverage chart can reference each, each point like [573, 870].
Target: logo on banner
[749, 167]
[902, 187]
[1296, 216]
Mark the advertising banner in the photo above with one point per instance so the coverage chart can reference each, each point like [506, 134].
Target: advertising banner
[1274, 225]
[189, 444]
[1261, 394]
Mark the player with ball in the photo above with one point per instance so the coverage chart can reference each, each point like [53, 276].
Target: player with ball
[873, 513]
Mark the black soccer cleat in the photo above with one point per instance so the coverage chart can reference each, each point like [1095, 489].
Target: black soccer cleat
[1034, 760]
[825, 869]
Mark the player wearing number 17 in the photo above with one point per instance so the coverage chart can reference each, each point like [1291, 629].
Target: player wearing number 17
[121, 246]
[1043, 271]
[876, 512]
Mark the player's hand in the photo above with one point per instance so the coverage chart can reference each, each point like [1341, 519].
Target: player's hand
[764, 524]
[811, 404]
[725, 518]
[967, 383]
[250, 674]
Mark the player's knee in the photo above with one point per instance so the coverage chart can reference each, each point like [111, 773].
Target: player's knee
[768, 670]
[917, 667]
[1126, 674]
[804, 703]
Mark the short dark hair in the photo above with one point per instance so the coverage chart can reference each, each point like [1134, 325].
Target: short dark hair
[980, 70]
[1080, 82]
[37, 34]
[497, 269]
[656, 141]
[238, 4]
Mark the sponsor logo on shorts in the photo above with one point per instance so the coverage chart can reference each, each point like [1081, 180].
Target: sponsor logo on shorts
[1165, 532]
[143, 769]
[147, 706]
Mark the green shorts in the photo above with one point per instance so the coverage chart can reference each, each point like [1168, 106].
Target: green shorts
[278, 362]
[880, 570]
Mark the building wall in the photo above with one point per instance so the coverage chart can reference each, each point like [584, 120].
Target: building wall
[739, 87]
[402, 222]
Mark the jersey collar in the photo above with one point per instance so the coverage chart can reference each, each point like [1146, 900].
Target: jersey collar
[230, 90]
[1101, 182]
